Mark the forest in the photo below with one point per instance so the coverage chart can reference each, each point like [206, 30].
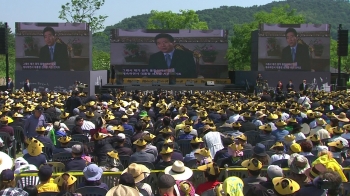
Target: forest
[333, 12]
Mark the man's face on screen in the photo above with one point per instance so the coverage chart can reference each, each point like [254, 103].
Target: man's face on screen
[164, 45]
[49, 38]
[291, 39]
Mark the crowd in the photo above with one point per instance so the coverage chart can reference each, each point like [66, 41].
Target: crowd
[135, 133]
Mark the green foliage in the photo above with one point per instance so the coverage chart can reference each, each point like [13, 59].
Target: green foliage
[239, 52]
[187, 19]
[83, 11]
[11, 52]
[101, 59]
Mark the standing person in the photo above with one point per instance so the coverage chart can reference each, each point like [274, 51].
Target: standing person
[303, 86]
[35, 120]
[290, 86]
[27, 86]
[73, 102]
[259, 83]
[296, 53]
[279, 86]
[54, 51]
[9, 85]
[168, 57]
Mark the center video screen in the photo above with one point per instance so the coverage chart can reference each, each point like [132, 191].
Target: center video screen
[294, 47]
[143, 53]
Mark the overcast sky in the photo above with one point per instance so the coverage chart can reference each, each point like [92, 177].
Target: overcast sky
[47, 10]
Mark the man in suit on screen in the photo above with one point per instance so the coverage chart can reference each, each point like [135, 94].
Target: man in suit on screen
[53, 51]
[295, 52]
[169, 58]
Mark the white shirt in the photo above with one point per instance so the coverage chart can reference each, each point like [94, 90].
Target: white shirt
[233, 118]
[301, 100]
[299, 136]
[87, 125]
[321, 132]
[213, 142]
[277, 157]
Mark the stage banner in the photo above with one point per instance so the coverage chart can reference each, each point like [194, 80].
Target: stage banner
[53, 46]
[178, 80]
[156, 53]
[296, 47]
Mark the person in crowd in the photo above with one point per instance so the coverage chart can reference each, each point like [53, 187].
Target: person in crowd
[290, 86]
[260, 154]
[37, 119]
[336, 148]
[65, 182]
[211, 173]
[306, 149]
[77, 127]
[242, 140]
[138, 131]
[254, 169]
[100, 128]
[337, 135]
[203, 156]
[92, 177]
[235, 152]
[103, 144]
[166, 158]
[223, 153]
[285, 186]
[35, 155]
[266, 133]
[8, 184]
[46, 182]
[278, 147]
[280, 132]
[140, 173]
[141, 154]
[120, 148]
[31, 190]
[150, 148]
[63, 147]
[77, 163]
[320, 130]
[195, 145]
[166, 185]
[231, 186]
[298, 164]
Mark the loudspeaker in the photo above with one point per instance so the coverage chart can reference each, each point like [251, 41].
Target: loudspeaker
[343, 42]
[156, 83]
[254, 57]
[210, 83]
[189, 83]
[3, 41]
[135, 83]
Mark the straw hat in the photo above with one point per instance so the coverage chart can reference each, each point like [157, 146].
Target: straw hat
[89, 114]
[129, 112]
[91, 103]
[5, 161]
[125, 117]
[337, 130]
[166, 130]
[285, 186]
[4, 119]
[122, 190]
[342, 117]
[320, 121]
[35, 148]
[140, 142]
[138, 171]
[109, 117]
[346, 127]
[65, 177]
[259, 114]
[64, 139]
[119, 128]
[17, 115]
[179, 171]
[272, 116]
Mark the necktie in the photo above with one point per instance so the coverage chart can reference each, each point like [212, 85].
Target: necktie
[168, 60]
[293, 53]
[51, 53]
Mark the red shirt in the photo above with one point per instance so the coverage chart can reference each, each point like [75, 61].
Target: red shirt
[206, 186]
[100, 130]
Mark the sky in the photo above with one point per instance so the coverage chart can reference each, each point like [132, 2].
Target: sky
[47, 10]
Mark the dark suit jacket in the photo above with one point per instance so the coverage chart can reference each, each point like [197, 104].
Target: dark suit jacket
[290, 86]
[60, 56]
[27, 88]
[181, 61]
[301, 87]
[302, 57]
[9, 86]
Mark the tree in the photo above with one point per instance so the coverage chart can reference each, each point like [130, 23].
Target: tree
[239, 52]
[101, 59]
[11, 53]
[83, 11]
[187, 19]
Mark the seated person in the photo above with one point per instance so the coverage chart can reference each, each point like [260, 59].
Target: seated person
[211, 173]
[103, 144]
[46, 141]
[254, 167]
[176, 156]
[8, 184]
[77, 163]
[223, 153]
[64, 141]
[112, 162]
[166, 159]
[278, 147]
[92, 177]
[203, 156]
[35, 155]
[195, 145]
[336, 148]
[46, 182]
[120, 148]
[235, 152]
[141, 154]
[150, 148]
[187, 133]
[65, 182]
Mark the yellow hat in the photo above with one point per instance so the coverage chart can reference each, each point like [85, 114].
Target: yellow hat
[236, 124]
[146, 118]
[242, 137]
[188, 129]
[280, 123]
[140, 142]
[210, 169]
[246, 115]
[40, 129]
[82, 107]
[338, 144]
[65, 177]
[320, 121]
[125, 116]
[168, 141]
[113, 154]
[99, 136]
[188, 122]
[119, 128]
[285, 186]
[296, 148]
[346, 127]
[196, 140]
[272, 116]
[289, 138]
[64, 139]
[148, 137]
[89, 114]
[277, 144]
[295, 111]
[236, 147]
[35, 148]
[17, 115]
[330, 114]
[292, 120]
[109, 117]
[166, 130]
[91, 103]
[265, 127]
[29, 140]
[64, 115]
[337, 130]
[4, 119]
[166, 150]
[314, 138]
[252, 164]
[203, 151]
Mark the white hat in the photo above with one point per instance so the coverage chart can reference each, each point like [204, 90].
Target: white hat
[5, 161]
[19, 162]
[179, 171]
[121, 135]
[24, 168]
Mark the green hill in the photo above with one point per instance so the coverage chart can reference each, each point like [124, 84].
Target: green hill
[333, 12]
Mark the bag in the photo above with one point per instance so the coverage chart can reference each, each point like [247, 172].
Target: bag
[185, 188]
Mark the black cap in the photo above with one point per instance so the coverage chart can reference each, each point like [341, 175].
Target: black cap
[39, 108]
[166, 181]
